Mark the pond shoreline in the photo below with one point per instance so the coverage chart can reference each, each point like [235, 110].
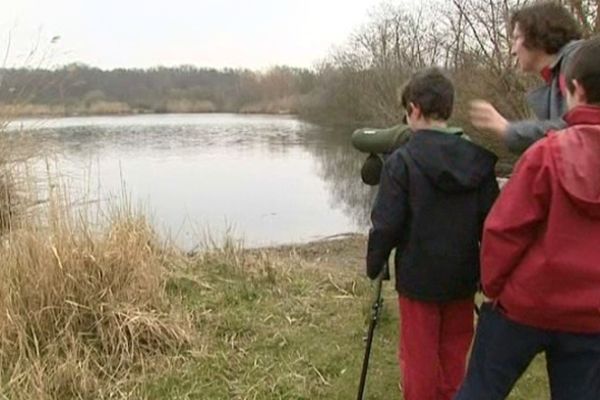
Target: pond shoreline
[133, 113]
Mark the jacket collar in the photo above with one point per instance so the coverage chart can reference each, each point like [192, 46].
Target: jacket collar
[583, 115]
[548, 71]
[448, 130]
[567, 48]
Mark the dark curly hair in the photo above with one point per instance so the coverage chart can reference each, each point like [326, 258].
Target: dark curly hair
[585, 68]
[546, 26]
[432, 91]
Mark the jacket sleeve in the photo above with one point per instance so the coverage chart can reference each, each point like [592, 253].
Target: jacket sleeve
[388, 215]
[522, 134]
[515, 219]
[488, 193]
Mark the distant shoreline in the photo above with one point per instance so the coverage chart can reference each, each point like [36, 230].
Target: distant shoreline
[150, 112]
[281, 106]
[12, 114]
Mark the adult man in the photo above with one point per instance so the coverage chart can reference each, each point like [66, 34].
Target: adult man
[544, 35]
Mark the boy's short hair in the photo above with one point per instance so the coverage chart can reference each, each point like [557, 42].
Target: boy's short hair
[432, 91]
[585, 68]
[547, 26]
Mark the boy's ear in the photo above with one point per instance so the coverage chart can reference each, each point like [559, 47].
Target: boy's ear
[579, 93]
[415, 110]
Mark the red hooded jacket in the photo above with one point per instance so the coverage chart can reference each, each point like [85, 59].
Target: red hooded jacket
[540, 255]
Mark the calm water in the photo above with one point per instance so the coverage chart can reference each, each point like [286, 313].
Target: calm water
[269, 179]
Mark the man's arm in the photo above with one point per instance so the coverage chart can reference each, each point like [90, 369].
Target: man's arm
[518, 135]
[522, 134]
[388, 215]
[515, 219]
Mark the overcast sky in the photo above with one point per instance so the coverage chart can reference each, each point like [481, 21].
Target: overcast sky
[108, 34]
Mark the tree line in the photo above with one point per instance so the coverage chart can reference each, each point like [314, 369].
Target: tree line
[470, 39]
[81, 89]
[357, 84]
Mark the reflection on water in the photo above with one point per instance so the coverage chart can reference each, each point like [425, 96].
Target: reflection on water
[273, 179]
[339, 166]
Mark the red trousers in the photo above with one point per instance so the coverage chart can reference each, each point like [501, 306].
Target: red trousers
[434, 342]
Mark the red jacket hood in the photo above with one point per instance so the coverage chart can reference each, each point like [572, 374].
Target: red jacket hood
[576, 153]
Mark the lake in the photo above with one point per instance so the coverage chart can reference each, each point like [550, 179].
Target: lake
[267, 180]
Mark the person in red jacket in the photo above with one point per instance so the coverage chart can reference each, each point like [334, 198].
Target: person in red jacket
[540, 257]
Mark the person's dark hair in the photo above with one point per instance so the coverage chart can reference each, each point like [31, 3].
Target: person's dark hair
[547, 26]
[432, 91]
[584, 66]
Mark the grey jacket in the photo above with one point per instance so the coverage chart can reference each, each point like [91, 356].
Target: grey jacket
[546, 102]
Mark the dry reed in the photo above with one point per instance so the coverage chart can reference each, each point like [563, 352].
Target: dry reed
[83, 308]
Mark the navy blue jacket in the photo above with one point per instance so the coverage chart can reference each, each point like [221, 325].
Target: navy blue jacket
[434, 195]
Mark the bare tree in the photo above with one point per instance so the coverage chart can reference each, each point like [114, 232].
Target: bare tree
[587, 13]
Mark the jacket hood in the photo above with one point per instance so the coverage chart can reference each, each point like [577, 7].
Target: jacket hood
[565, 52]
[451, 162]
[576, 153]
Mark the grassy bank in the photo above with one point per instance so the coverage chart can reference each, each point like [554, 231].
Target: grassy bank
[278, 324]
[288, 323]
[106, 311]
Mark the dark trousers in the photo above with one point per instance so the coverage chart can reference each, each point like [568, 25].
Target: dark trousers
[503, 350]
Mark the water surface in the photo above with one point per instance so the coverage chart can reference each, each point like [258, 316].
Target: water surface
[269, 179]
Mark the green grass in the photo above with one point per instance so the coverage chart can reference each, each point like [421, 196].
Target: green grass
[280, 329]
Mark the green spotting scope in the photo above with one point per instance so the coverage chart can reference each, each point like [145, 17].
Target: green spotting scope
[379, 143]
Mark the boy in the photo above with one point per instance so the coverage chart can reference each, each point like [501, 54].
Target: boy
[541, 257]
[544, 35]
[433, 197]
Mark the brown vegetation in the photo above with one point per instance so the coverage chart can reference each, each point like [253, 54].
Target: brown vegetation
[356, 85]
[81, 90]
[359, 83]
[82, 304]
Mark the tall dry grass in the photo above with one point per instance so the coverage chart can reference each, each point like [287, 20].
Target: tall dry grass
[83, 308]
